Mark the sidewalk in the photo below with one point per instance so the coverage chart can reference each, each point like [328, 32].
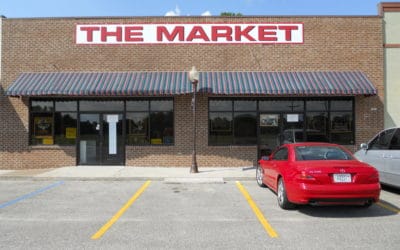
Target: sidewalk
[166, 174]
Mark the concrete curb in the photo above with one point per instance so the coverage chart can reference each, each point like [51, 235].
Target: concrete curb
[117, 173]
[164, 179]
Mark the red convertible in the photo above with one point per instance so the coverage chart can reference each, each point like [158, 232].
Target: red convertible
[318, 174]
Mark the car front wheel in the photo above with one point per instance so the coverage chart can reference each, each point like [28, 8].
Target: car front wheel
[259, 176]
[283, 201]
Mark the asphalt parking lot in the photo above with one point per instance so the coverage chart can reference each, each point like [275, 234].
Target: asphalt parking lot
[172, 215]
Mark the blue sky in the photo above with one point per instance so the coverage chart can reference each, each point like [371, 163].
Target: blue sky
[66, 8]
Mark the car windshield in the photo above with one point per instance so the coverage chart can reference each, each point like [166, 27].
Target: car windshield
[311, 153]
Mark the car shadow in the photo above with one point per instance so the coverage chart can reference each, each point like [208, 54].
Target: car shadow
[390, 189]
[380, 209]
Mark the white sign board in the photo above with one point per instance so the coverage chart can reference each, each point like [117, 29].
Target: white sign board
[190, 33]
[292, 118]
[112, 134]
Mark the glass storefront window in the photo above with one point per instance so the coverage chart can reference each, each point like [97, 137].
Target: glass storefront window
[245, 105]
[342, 105]
[65, 128]
[42, 106]
[245, 128]
[137, 128]
[293, 128]
[317, 105]
[102, 106]
[220, 128]
[161, 128]
[150, 122]
[66, 106]
[281, 105]
[42, 129]
[139, 105]
[220, 105]
[341, 125]
[304, 119]
[317, 127]
[161, 105]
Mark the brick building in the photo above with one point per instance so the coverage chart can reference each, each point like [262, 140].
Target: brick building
[115, 91]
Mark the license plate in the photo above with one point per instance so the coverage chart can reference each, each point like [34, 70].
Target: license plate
[341, 178]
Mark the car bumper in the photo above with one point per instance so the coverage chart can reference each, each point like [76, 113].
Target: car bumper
[301, 193]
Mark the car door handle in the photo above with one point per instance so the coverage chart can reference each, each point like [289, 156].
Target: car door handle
[387, 156]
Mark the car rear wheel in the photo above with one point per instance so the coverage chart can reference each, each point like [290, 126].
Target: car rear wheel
[283, 201]
[259, 176]
[367, 204]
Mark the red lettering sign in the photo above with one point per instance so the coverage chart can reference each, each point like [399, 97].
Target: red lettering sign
[267, 33]
[187, 33]
[221, 32]
[239, 32]
[105, 34]
[162, 32]
[133, 34]
[197, 32]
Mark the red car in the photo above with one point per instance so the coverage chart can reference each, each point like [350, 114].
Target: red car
[318, 174]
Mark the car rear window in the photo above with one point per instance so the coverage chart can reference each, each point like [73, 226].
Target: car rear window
[313, 153]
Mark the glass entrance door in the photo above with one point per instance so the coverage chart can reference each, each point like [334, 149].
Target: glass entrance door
[112, 150]
[270, 129]
[101, 139]
[292, 128]
[277, 129]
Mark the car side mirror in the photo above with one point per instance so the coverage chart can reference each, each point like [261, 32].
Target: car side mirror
[364, 146]
[265, 158]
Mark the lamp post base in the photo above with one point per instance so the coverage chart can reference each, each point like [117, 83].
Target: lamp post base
[193, 168]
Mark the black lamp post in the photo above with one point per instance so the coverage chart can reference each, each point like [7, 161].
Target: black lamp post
[194, 79]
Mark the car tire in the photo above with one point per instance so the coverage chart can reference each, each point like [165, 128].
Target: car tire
[259, 176]
[367, 204]
[283, 201]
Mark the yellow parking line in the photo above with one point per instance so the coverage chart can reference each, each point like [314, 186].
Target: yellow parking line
[106, 226]
[393, 209]
[257, 211]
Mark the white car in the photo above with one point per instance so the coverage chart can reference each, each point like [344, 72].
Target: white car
[383, 152]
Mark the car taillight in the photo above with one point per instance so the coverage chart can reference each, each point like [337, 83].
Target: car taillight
[305, 177]
[374, 178]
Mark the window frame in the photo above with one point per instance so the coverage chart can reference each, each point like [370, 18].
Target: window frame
[78, 112]
[232, 112]
[326, 109]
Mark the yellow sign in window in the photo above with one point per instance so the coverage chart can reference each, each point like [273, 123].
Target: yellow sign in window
[48, 141]
[70, 133]
[156, 141]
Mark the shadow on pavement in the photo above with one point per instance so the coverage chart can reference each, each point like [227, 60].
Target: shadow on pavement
[380, 209]
[390, 189]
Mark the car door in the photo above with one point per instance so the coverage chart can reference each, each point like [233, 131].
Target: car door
[391, 170]
[279, 160]
[377, 151]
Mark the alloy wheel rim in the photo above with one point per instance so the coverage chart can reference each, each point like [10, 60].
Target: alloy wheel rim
[259, 178]
[280, 192]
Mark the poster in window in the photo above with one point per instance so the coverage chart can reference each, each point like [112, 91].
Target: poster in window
[43, 126]
[70, 133]
[292, 118]
[269, 120]
[137, 127]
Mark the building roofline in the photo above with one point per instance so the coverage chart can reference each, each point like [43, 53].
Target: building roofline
[388, 7]
[197, 17]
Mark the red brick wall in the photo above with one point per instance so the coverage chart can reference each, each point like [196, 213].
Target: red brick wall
[47, 45]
